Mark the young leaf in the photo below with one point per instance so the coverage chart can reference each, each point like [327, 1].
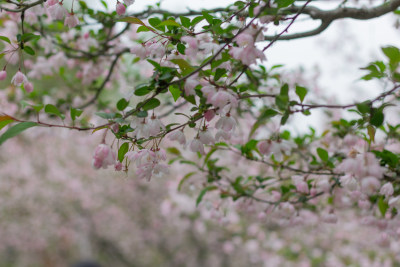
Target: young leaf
[75, 113]
[301, 92]
[123, 149]
[5, 39]
[151, 104]
[15, 130]
[122, 104]
[323, 154]
[51, 109]
[203, 192]
[29, 50]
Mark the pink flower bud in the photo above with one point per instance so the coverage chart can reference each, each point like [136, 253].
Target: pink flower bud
[19, 78]
[3, 75]
[120, 8]
[118, 166]
[209, 115]
[28, 87]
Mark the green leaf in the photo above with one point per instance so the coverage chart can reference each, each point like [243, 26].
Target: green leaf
[383, 206]
[5, 39]
[142, 29]
[183, 64]
[51, 109]
[122, 104]
[219, 73]
[151, 104]
[134, 20]
[75, 113]
[203, 192]
[197, 20]
[284, 3]
[301, 92]
[185, 21]
[123, 149]
[169, 22]
[107, 116]
[29, 50]
[26, 37]
[174, 151]
[15, 130]
[181, 48]
[142, 114]
[187, 176]
[208, 17]
[323, 154]
[377, 118]
[364, 107]
[5, 123]
[175, 92]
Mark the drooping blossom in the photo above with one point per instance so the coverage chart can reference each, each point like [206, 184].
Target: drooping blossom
[155, 126]
[141, 128]
[148, 163]
[190, 84]
[103, 157]
[387, 190]
[71, 20]
[197, 146]
[206, 137]
[222, 98]
[57, 11]
[226, 123]
[28, 87]
[178, 136]
[19, 78]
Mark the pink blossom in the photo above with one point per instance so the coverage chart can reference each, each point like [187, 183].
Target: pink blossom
[155, 126]
[71, 20]
[57, 11]
[118, 166]
[222, 135]
[244, 39]
[226, 123]
[51, 2]
[103, 157]
[3, 75]
[139, 50]
[178, 136]
[387, 190]
[222, 98]
[206, 137]
[190, 84]
[247, 55]
[197, 146]
[302, 187]
[362, 165]
[28, 87]
[120, 8]
[19, 78]
[209, 115]
[369, 185]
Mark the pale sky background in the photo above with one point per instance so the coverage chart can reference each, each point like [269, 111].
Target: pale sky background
[339, 51]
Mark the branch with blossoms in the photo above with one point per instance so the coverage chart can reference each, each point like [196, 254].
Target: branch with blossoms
[197, 79]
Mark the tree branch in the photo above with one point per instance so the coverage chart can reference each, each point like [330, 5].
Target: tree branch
[327, 17]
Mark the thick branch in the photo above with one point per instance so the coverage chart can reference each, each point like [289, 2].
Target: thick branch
[327, 17]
